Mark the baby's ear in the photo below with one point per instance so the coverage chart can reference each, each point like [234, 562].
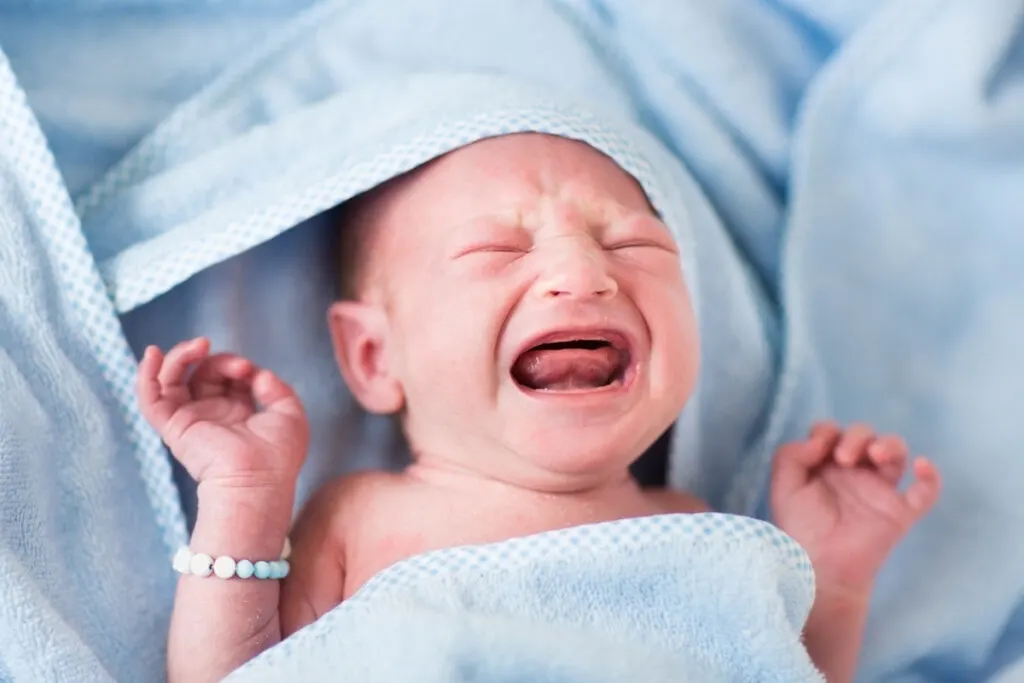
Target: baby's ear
[360, 333]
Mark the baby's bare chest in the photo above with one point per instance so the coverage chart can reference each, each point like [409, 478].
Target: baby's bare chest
[389, 529]
[378, 538]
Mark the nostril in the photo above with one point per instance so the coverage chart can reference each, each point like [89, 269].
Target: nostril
[577, 283]
[570, 294]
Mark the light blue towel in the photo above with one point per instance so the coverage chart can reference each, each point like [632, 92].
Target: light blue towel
[872, 197]
[704, 598]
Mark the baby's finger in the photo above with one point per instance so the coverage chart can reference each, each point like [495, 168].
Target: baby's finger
[852, 446]
[275, 395]
[216, 374]
[241, 390]
[827, 433]
[794, 464]
[178, 360]
[889, 455]
[924, 491]
[148, 390]
[146, 384]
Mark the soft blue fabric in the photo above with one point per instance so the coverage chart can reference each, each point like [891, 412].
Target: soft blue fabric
[100, 80]
[844, 176]
[710, 598]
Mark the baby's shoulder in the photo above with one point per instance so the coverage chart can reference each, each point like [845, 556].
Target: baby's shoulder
[356, 491]
[671, 501]
[344, 497]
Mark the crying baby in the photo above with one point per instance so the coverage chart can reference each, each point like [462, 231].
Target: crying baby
[520, 307]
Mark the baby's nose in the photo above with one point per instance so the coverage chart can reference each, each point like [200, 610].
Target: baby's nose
[575, 268]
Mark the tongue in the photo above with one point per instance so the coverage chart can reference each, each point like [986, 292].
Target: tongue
[566, 369]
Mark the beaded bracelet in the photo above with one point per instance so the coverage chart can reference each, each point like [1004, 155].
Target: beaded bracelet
[224, 567]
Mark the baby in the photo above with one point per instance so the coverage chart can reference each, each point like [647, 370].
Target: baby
[534, 333]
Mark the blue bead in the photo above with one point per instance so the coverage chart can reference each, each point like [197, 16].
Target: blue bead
[285, 568]
[244, 569]
[262, 569]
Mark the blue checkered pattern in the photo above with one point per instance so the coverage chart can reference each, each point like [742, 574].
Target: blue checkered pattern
[838, 196]
[627, 536]
[138, 276]
[22, 146]
[724, 596]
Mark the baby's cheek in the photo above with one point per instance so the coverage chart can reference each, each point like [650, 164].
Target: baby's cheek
[440, 369]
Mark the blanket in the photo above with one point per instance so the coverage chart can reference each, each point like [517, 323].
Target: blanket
[709, 598]
[843, 177]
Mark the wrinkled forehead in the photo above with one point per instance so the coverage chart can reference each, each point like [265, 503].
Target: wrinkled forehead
[499, 173]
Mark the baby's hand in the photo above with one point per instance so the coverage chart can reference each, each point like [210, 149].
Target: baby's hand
[837, 494]
[225, 420]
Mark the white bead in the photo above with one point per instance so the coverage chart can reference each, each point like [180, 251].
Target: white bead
[201, 564]
[181, 560]
[286, 552]
[224, 567]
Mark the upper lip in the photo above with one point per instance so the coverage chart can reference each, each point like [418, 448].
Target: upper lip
[617, 337]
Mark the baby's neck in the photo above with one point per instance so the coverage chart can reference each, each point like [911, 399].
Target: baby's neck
[610, 497]
[444, 472]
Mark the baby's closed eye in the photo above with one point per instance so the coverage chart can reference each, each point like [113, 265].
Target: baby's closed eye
[634, 233]
[491, 238]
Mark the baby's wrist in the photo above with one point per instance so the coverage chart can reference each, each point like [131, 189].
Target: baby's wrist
[248, 486]
[844, 596]
[243, 522]
[846, 581]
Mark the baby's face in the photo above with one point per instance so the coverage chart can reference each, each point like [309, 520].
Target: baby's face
[536, 317]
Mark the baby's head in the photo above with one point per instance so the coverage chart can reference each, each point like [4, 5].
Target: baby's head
[520, 304]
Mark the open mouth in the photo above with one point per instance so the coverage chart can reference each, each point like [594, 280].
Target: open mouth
[572, 365]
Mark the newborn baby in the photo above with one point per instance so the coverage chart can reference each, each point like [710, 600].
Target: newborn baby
[520, 307]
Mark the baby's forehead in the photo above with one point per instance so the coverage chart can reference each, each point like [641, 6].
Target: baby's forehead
[504, 173]
[492, 178]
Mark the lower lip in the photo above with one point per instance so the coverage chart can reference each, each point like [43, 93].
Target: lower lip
[620, 387]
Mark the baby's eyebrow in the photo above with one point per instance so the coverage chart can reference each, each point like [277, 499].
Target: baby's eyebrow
[485, 229]
[610, 212]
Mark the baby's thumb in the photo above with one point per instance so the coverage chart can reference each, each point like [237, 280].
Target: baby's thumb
[793, 465]
[276, 396]
[923, 492]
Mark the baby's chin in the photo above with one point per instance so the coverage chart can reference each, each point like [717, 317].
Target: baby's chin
[583, 431]
[580, 455]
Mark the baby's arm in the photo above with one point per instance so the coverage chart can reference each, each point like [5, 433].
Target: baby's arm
[251, 616]
[317, 580]
[834, 631]
[242, 435]
[217, 625]
[838, 495]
